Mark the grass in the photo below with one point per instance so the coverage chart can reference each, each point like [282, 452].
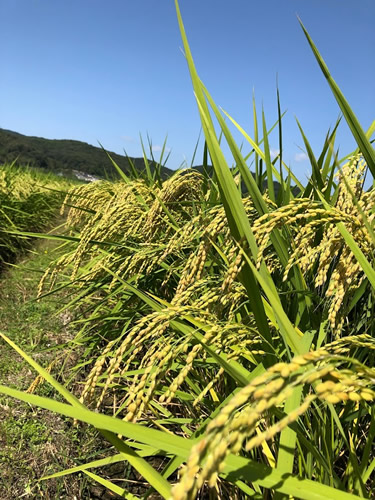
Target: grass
[28, 448]
[225, 341]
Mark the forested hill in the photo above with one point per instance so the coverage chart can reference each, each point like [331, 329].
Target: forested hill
[63, 156]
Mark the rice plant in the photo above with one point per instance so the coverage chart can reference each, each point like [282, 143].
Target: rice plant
[29, 200]
[229, 337]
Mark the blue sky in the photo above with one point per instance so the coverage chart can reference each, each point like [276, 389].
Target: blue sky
[106, 71]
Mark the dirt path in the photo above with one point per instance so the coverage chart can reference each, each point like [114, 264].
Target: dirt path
[33, 442]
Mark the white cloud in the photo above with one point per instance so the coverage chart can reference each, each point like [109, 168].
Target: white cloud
[300, 157]
[274, 153]
[157, 148]
[127, 138]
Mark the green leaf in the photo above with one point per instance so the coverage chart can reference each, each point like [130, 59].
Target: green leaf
[143, 467]
[113, 459]
[267, 157]
[358, 133]
[233, 368]
[121, 173]
[235, 211]
[316, 173]
[288, 437]
[110, 486]
[287, 330]
[352, 244]
[235, 467]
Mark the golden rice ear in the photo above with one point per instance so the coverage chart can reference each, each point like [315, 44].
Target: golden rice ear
[184, 187]
[237, 422]
[347, 275]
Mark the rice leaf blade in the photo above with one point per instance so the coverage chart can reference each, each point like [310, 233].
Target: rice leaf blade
[364, 144]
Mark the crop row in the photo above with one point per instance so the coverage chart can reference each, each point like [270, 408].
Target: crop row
[28, 201]
[227, 339]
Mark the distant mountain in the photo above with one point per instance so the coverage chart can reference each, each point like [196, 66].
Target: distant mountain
[65, 156]
[76, 158]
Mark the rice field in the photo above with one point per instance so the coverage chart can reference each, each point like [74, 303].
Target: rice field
[28, 201]
[227, 338]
